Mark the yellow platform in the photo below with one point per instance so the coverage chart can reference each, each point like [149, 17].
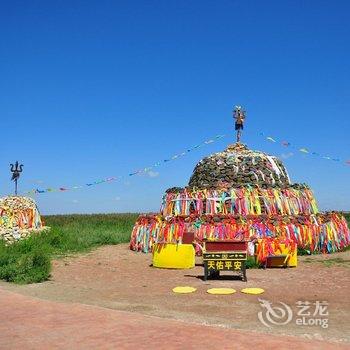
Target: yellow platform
[173, 256]
[292, 257]
[283, 256]
[288, 256]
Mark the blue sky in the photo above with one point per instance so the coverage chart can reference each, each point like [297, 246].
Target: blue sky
[91, 89]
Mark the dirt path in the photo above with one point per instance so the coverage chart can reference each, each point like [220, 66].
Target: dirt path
[28, 323]
[114, 277]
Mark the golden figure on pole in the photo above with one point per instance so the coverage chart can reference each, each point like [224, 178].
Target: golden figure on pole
[239, 115]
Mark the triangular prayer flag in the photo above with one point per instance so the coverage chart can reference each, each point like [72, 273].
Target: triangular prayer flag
[111, 178]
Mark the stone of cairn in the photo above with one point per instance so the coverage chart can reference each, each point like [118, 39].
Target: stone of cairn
[239, 166]
[19, 218]
[242, 194]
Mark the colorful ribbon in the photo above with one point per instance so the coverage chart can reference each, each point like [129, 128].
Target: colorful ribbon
[243, 201]
[325, 233]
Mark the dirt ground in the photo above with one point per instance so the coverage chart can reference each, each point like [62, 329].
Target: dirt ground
[114, 277]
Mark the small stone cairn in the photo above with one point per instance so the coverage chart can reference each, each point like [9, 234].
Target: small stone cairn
[19, 218]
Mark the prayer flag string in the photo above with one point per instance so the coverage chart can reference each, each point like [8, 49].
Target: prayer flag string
[140, 171]
[284, 143]
[303, 149]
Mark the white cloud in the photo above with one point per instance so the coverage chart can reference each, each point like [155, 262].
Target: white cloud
[117, 198]
[287, 155]
[153, 173]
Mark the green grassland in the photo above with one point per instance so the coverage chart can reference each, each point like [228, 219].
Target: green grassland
[29, 261]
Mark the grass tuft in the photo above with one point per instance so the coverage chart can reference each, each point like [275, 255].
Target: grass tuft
[251, 263]
[29, 261]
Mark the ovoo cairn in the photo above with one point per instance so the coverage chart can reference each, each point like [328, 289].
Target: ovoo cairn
[19, 218]
[242, 194]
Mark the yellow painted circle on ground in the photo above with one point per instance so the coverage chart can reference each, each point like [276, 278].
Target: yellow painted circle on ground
[252, 290]
[184, 290]
[221, 291]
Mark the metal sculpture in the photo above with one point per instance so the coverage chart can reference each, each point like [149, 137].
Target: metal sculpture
[239, 115]
[16, 172]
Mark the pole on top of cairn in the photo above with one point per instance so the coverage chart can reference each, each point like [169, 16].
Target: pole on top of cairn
[16, 172]
[239, 116]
